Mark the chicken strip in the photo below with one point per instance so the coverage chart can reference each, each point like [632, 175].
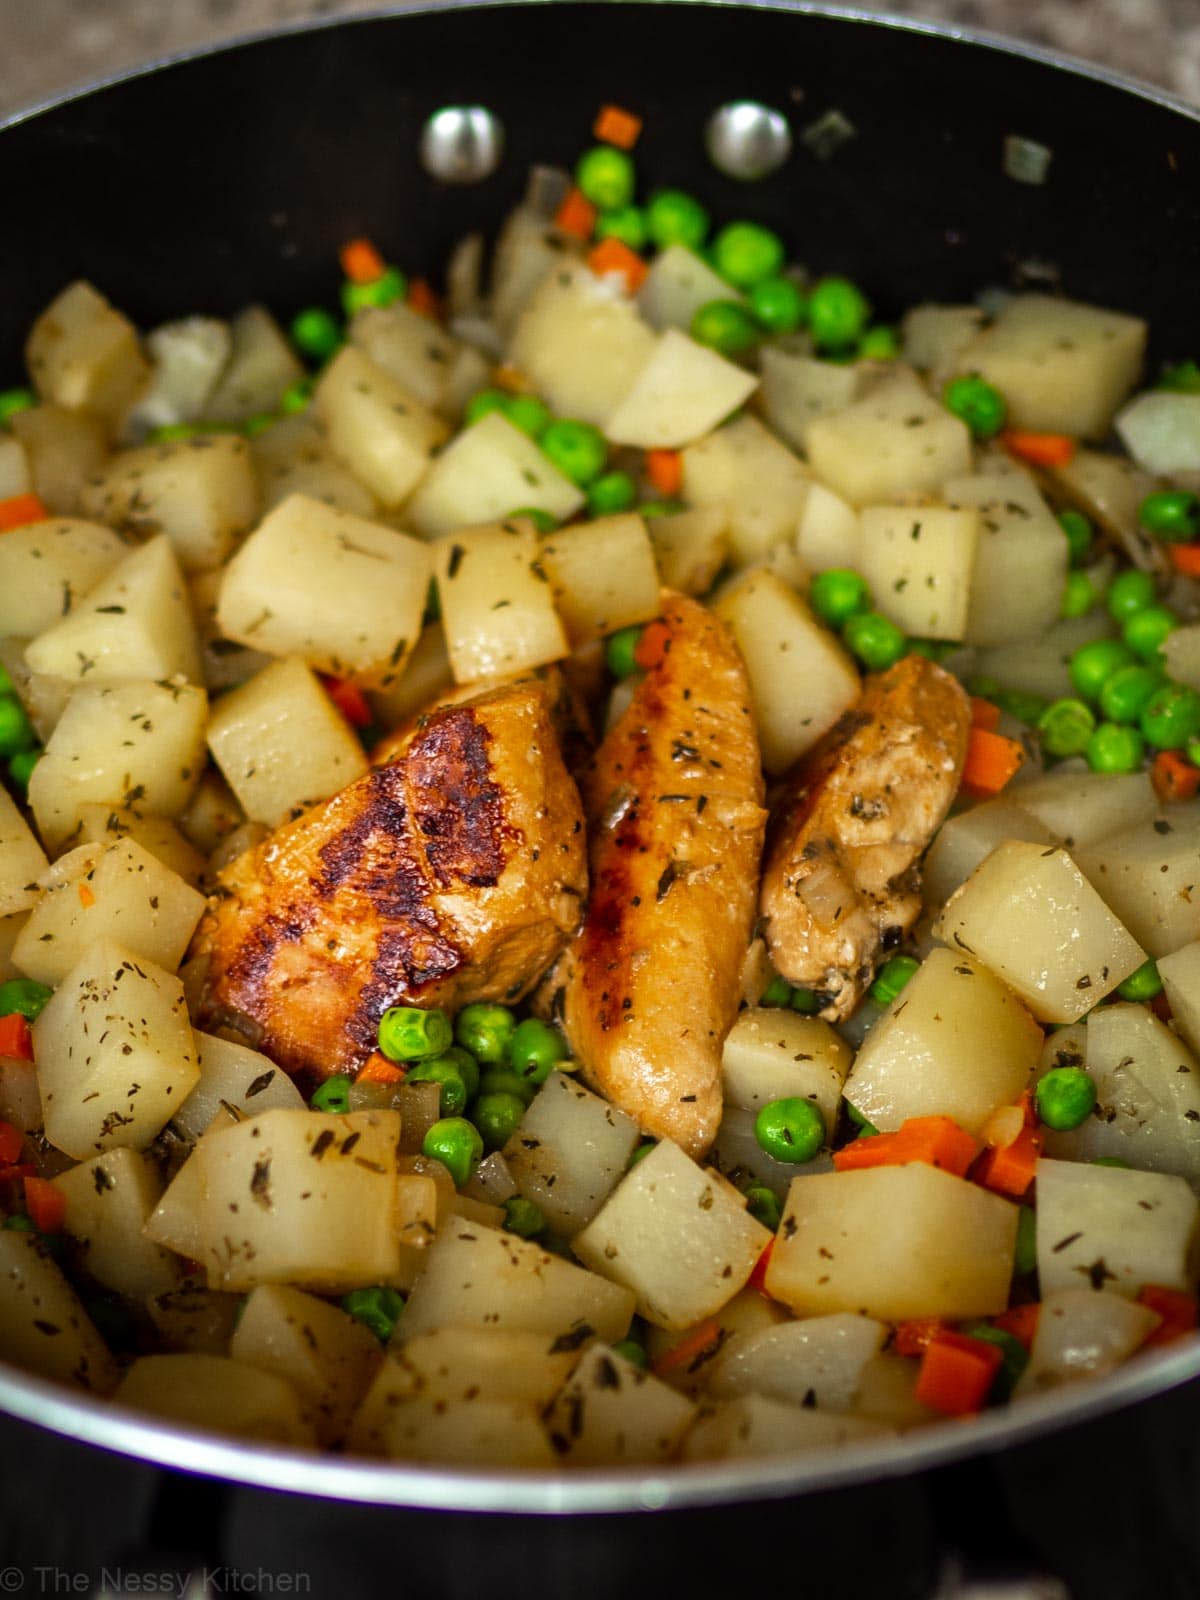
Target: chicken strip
[649, 988]
[453, 874]
[841, 882]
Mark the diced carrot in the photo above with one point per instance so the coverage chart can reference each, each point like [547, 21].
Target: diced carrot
[512, 380]
[984, 714]
[576, 215]
[350, 701]
[19, 510]
[1177, 1310]
[758, 1278]
[991, 762]
[1039, 449]
[378, 1069]
[653, 646]
[696, 1343]
[938, 1141]
[423, 300]
[1010, 1169]
[613, 257]
[956, 1374]
[1020, 1321]
[914, 1337]
[18, 1172]
[615, 125]
[11, 1140]
[87, 896]
[46, 1204]
[1185, 558]
[664, 469]
[361, 261]
[1173, 777]
[16, 1041]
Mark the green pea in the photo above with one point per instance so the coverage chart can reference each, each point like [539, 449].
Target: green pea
[522, 1217]
[482, 405]
[642, 1151]
[660, 508]
[577, 449]
[892, 977]
[1182, 378]
[1079, 532]
[408, 1033]
[527, 412]
[485, 1030]
[1129, 593]
[1065, 1098]
[804, 1001]
[502, 1080]
[1079, 595]
[619, 650]
[1065, 727]
[536, 1049]
[1016, 1358]
[857, 1118]
[744, 253]
[1113, 748]
[1193, 752]
[724, 326]
[333, 1095]
[777, 993]
[837, 313]
[6, 684]
[316, 333]
[1095, 662]
[1110, 1161]
[20, 767]
[879, 343]
[542, 520]
[611, 493]
[839, 594]
[790, 1130]
[18, 1222]
[632, 1352]
[441, 1070]
[390, 286]
[1146, 631]
[172, 432]
[457, 1144]
[25, 996]
[976, 402]
[1142, 984]
[763, 1205]
[673, 217]
[498, 1116]
[1022, 704]
[464, 1064]
[1171, 717]
[877, 642]
[14, 400]
[606, 177]
[296, 397]
[16, 730]
[626, 223]
[983, 686]
[1128, 692]
[377, 1308]
[779, 305]
[1172, 515]
[253, 426]
[1025, 1255]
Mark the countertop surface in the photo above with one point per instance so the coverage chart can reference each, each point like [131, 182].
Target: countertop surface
[49, 45]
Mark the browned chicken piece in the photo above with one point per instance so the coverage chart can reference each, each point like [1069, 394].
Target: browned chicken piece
[649, 988]
[840, 883]
[453, 874]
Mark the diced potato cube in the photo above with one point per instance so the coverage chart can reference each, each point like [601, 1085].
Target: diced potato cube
[1082, 1333]
[690, 548]
[737, 1153]
[603, 574]
[497, 602]
[64, 449]
[681, 392]
[488, 471]
[1161, 431]
[15, 476]
[233, 1075]
[202, 493]
[570, 1152]
[136, 623]
[84, 355]
[262, 364]
[1180, 974]
[374, 427]
[753, 1426]
[1181, 654]
[963, 841]
[1020, 562]
[108, 1201]
[919, 563]
[527, 250]
[45, 568]
[678, 283]
[1080, 808]
[675, 1236]
[797, 389]
[188, 358]
[22, 859]
[281, 743]
[954, 1043]
[771, 1054]
[610, 1412]
[761, 486]
[1030, 915]
[454, 1364]
[425, 678]
[894, 1243]
[1113, 1228]
[1042, 666]
[44, 699]
[801, 679]
[814, 1362]
[176, 1220]
[224, 662]
[477, 1433]
[933, 335]
[1149, 875]
[413, 350]
[829, 534]
[43, 1326]
[1062, 367]
[214, 1392]
[102, 824]
[131, 744]
[1110, 488]
[194, 1321]
[114, 1053]
[897, 440]
[581, 343]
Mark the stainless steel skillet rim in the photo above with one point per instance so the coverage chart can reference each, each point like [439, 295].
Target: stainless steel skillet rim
[99, 1423]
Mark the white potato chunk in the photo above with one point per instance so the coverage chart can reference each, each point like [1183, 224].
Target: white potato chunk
[176, 1221]
[64, 449]
[754, 478]
[188, 357]
[610, 1412]
[817, 1361]
[1062, 367]
[498, 609]
[527, 249]
[673, 1234]
[376, 428]
[954, 1043]
[690, 548]
[1021, 559]
[896, 440]
[22, 859]
[1149, 875]
[829, 534]
[797, 389]
[485, 472]
[737, 1153]
[1110, 488]
[933, 335]
[1113, 1228]
[83, 354]
[45, 568]
[1161, 431]
[1042, 666]
[801, 679]
[678, 283]
[772, 1054]
[426, 677]
[207, 1391]
[281, 743]
[109, 1199]
[603, 574]
[570, 1152]
[454, 1364]
[233, 1075]
[919, 563]
[412, 349]
[1080, 808]
[262, 364]
[101, 824]
[963, 841]
[1029, 914]
[136, 623]
[753, 1426]
[15, 476]
[43, 1326]
[1181, 654]
[748, 1314]
[1083, 1334]
[680, 393]
[893, 1243]
[467, 1433]
[1180, 974]
[114, 1053]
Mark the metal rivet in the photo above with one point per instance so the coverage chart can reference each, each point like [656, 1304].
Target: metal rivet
[462, 144]
[748, 140]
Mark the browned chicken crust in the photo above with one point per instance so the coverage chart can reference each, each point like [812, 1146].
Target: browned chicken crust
[453, 874]
[840, 883]
[649, 989]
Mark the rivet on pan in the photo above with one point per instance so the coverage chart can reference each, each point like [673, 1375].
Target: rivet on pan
[462, 144]
[748, 140]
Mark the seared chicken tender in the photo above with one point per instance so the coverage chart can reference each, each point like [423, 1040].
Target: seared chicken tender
[649, 989]
[453, 874]
[841, 882]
